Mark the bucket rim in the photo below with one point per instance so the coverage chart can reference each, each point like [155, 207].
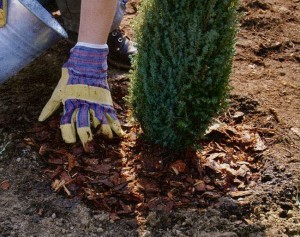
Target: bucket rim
[40, 12]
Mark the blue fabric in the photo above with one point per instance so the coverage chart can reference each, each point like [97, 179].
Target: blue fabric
[124, 3]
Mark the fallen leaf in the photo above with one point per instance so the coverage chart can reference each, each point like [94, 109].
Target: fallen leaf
[242, 171]
[200, 186]
[43, 149]
[216, 155]
[214, 127]
[259, 144]
[246, 137]
[238, 114]
[178, 167]
[72, 162]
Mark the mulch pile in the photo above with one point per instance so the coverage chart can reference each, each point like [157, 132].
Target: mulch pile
[130, 177]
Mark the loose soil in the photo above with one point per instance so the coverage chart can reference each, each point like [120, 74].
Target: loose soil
[243, 181]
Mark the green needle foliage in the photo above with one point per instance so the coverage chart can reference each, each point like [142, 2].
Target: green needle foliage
[181, 72]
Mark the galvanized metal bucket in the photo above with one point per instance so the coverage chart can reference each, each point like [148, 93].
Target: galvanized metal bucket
[29, 31]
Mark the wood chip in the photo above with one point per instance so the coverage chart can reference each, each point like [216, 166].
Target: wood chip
[238, 194]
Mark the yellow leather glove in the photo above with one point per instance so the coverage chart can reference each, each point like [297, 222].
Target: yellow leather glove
[86, 97]
[3, 12]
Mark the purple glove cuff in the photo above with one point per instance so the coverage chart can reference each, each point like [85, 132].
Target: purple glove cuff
[87, 66]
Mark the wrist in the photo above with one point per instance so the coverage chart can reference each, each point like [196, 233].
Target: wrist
[93, 46]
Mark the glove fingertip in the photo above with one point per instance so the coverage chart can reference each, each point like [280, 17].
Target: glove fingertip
[48, 110]
[118, 129]
[115, 126]
[106, 131]
[68, 133]
[85, 134]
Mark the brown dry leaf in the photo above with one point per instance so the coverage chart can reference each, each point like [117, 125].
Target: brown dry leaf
[228, 169]
[242, 171]
[5, 185]
[72, 162]
[259, 144]
[220, 168]
[200, 186]
[213, 165]
[178, 167]
[216, 155]
[170, 195]
[246, 137]
[214, 127]
[238, 114]
[43, 149]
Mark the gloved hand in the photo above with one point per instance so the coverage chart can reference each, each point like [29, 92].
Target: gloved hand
[86, 97]
[3, 10]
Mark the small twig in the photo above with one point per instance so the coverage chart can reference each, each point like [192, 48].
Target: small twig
[298, 198]
[3, 149]
[275, 114]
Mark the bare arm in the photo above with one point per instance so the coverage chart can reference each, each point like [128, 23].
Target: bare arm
[96, 18]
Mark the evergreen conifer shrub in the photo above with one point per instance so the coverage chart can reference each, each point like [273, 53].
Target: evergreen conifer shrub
[180, 80]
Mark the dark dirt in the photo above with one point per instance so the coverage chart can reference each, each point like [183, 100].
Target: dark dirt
[244, 182]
